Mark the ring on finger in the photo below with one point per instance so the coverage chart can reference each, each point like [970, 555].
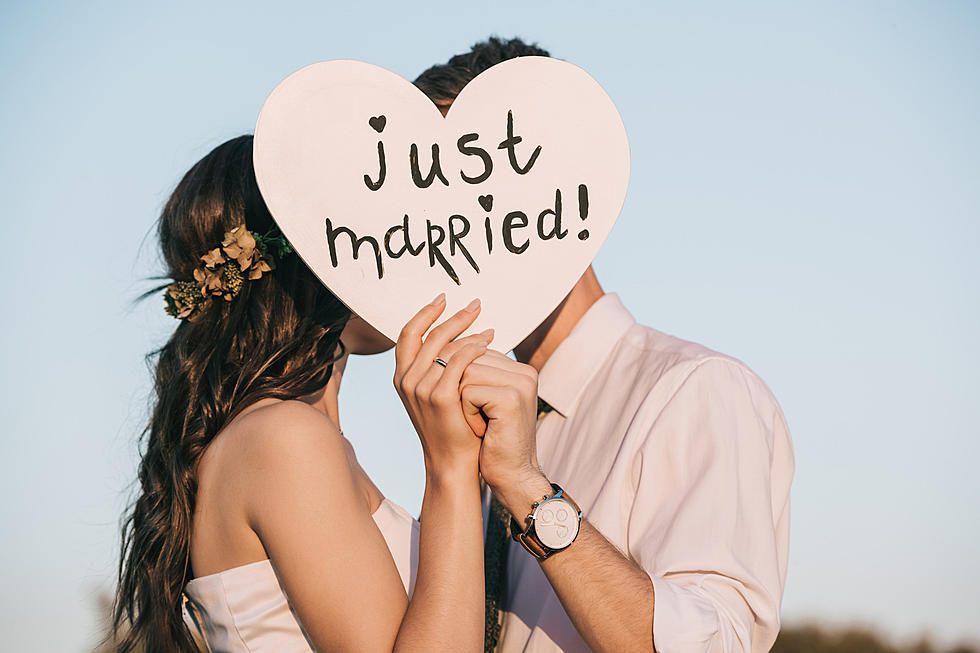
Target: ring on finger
[439, 361]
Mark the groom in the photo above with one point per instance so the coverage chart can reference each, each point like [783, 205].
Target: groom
[640, 497]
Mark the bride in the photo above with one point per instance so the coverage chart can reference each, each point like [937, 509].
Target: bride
[255, 527]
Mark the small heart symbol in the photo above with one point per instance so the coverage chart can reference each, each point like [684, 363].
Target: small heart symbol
[378, 123]
[486, 201]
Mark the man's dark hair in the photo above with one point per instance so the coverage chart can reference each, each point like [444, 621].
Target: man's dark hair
[443, 82]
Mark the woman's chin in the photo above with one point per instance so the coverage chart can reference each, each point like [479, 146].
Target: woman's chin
[370, 348]
[362, 339]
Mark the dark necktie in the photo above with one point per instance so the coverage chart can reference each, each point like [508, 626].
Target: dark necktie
[495, 559]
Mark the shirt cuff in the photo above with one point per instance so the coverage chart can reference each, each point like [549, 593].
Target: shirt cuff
[684, 620]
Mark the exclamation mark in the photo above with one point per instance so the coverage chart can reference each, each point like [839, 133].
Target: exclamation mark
[583, 209]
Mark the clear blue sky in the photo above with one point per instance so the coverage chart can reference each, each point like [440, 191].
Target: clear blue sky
[804, 197]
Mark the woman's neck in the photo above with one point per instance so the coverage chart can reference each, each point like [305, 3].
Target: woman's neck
[327, 399]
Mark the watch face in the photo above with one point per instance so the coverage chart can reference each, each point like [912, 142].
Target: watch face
[556, 523]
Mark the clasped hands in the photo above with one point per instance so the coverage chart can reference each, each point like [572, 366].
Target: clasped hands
[476, 413]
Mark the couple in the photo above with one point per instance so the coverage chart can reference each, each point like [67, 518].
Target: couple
[257, 530]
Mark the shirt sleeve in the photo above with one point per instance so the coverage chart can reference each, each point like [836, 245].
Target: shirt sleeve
[709, 518]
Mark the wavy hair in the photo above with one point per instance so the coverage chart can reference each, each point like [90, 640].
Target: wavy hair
[278, 338]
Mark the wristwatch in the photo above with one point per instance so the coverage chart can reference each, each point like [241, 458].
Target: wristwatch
[551, 526]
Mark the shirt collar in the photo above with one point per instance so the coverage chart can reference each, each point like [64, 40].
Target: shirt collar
[578, 357]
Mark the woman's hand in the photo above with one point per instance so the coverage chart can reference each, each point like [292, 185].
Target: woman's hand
[430, 392]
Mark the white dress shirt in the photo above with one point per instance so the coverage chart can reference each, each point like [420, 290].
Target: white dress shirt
[679, 456]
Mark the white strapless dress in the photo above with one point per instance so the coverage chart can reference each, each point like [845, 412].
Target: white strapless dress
[244, 609]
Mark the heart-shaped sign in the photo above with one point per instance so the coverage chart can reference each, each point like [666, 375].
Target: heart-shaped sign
[506, 199]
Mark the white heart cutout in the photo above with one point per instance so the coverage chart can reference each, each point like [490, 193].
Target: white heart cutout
[317, 156]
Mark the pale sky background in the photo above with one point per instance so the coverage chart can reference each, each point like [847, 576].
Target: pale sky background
[804, 197]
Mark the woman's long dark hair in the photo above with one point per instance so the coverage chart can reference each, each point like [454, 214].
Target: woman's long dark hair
[278, 338]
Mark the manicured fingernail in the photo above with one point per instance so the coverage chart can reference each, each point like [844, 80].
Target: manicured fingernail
[440, 298]
[488, 334]
[472, 306]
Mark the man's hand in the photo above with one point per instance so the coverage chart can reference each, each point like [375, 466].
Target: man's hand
[606, 595]
[500, 400]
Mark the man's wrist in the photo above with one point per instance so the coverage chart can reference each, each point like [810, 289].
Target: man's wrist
[518, 494]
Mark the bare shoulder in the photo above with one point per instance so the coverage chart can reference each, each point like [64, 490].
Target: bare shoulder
[265, 462]
[283, 436]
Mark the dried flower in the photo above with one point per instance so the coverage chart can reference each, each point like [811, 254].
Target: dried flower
[213, 258]
[183, 298]
[242, 255]
[232, 279]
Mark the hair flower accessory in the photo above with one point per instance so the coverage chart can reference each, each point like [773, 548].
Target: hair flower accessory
[242, 256]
